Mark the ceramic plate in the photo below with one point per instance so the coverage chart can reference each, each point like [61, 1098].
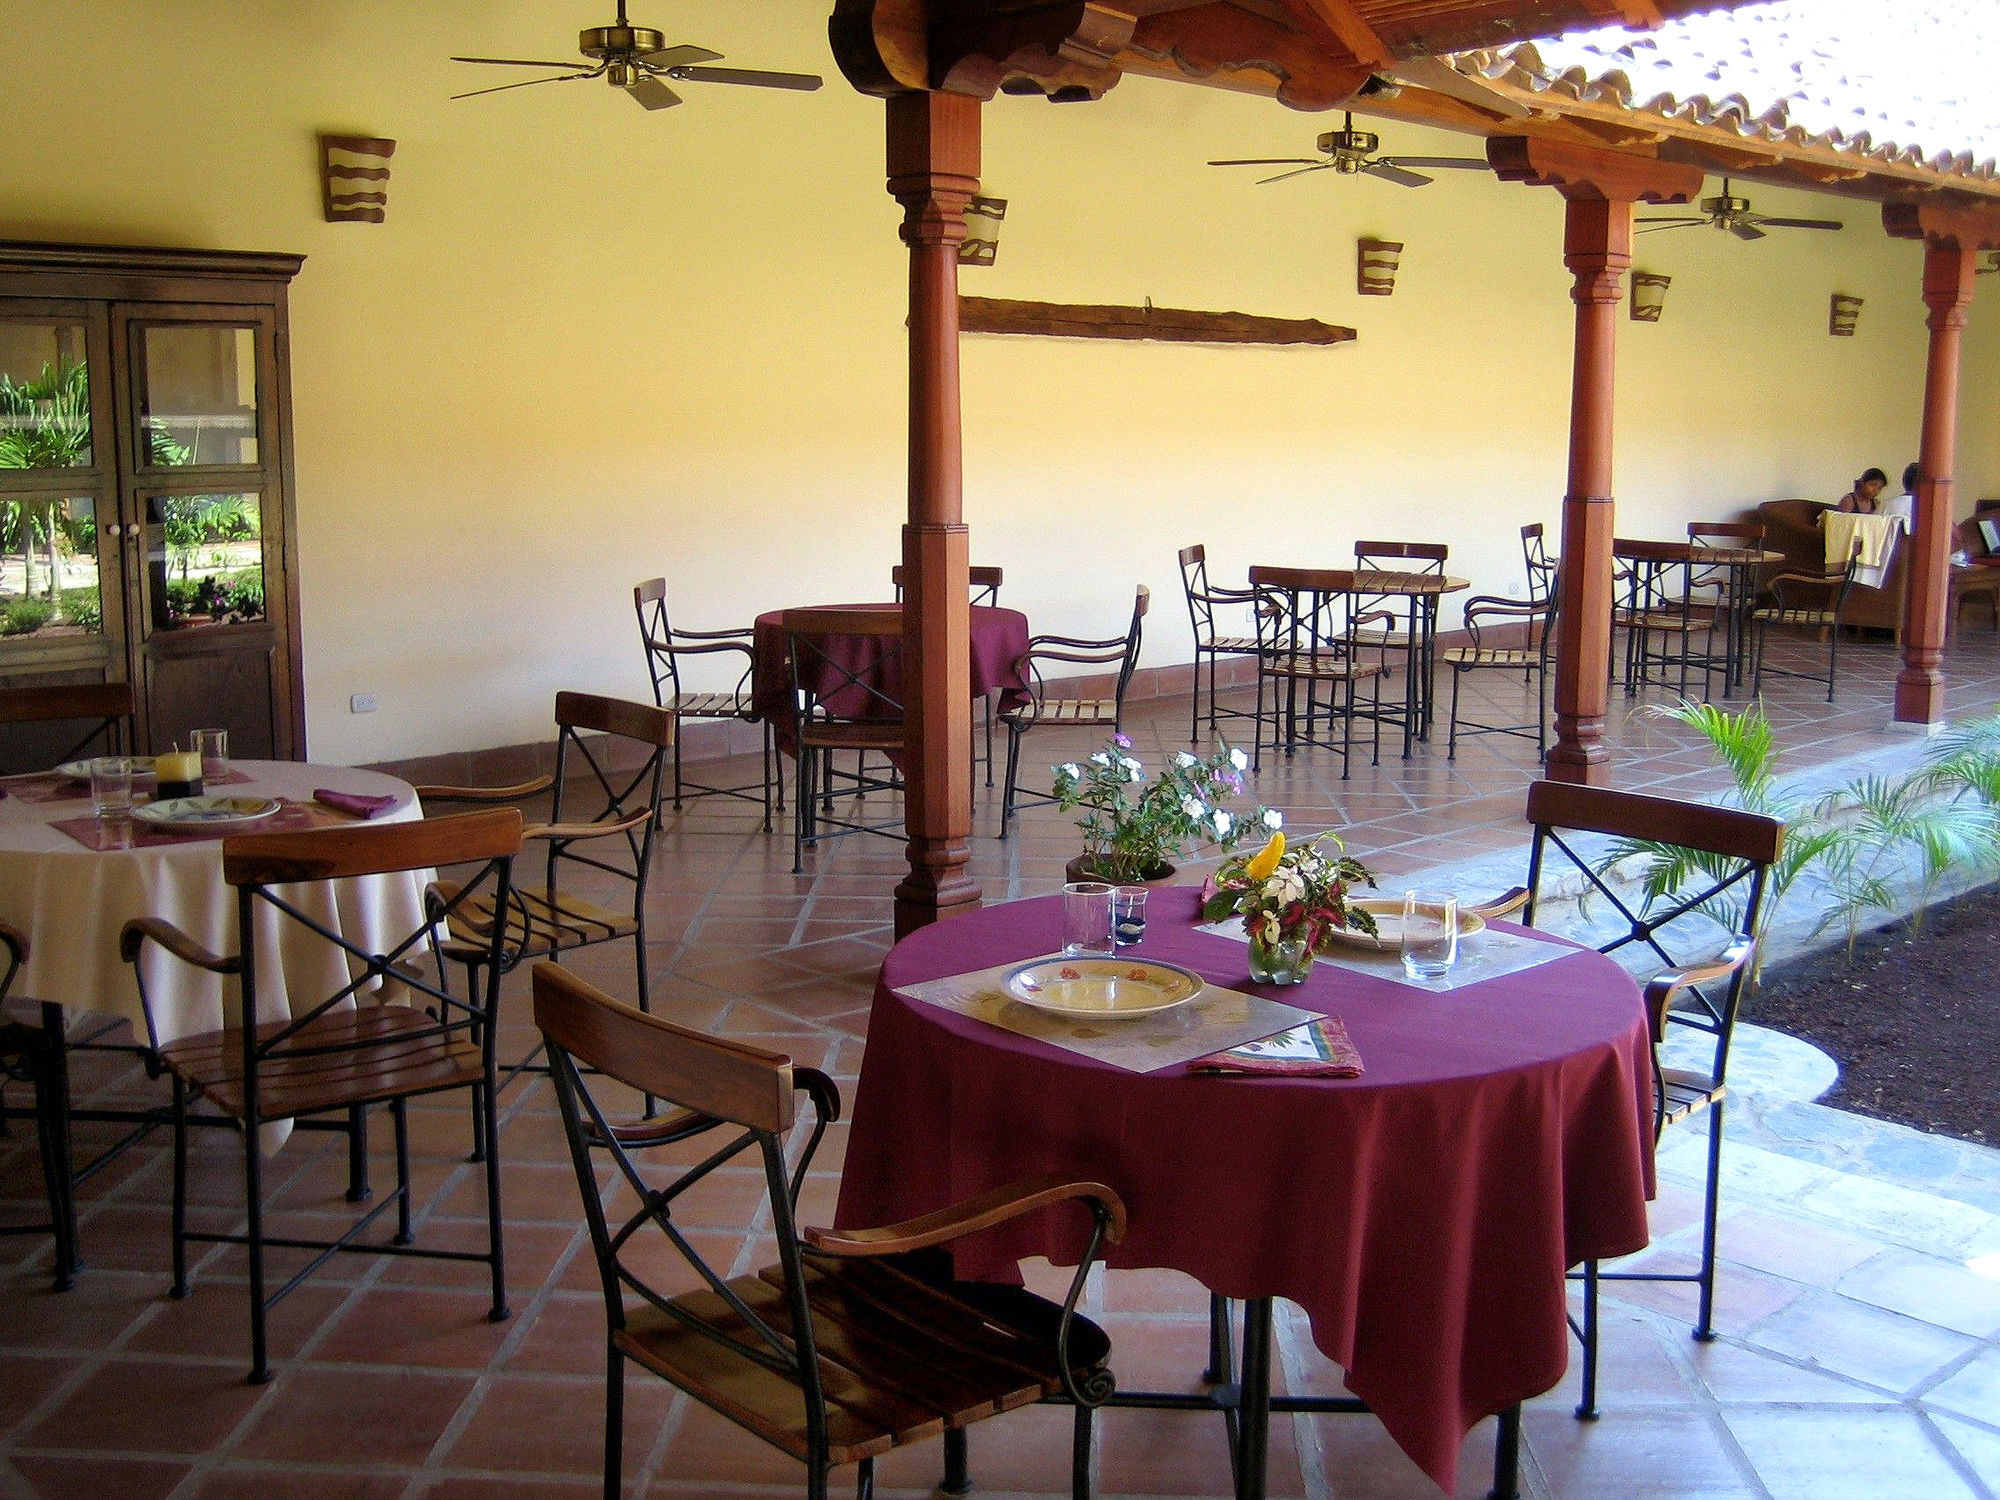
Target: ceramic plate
[1111, 987]
[79, 771]
[1388, 915]
[206, 812]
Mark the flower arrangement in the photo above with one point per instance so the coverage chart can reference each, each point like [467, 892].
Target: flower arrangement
[1133, 829]
[1292, 901]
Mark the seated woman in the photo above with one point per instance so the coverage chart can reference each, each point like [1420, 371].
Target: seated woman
[1866, 489]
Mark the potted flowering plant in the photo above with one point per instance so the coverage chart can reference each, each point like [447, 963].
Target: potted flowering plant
[1133, 829]
[1292, 900]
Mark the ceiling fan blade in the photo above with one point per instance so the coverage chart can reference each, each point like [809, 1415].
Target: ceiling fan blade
[1267, 161]
[518, 62]
[1318, 166]
[678, 57]
[1396, 175]
[527, 83]
[652, 94]
[1746, 231]
[1460, 163]
[803, 82]
[1802, 223]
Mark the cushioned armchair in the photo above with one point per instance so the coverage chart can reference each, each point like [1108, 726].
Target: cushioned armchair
[1792, 527]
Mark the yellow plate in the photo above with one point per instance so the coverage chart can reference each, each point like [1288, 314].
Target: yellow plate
[1108, 987]
[1388, 915]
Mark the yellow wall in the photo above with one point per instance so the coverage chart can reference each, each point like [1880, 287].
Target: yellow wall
[592, 344]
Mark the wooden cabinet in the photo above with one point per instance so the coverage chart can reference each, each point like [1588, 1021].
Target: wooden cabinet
[146, 512]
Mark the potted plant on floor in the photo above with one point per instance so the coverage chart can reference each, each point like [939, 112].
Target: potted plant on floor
[1292, 902]
[1133, 829]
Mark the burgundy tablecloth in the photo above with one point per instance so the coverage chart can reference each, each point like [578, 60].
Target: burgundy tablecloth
[1423, 1214]
[999, 639]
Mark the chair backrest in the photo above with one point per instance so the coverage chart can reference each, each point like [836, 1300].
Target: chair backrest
[624, 748]
[1660, 577]
[1415, 557]
[49, 718]
[1202, 597]
[1307, 615]
[1123, 650]
[1726, 533]
[656, 636]
[266, 870]
[1720, 858]
[846, 664]
[723, 1080]
[1535, 556]
[985, 584]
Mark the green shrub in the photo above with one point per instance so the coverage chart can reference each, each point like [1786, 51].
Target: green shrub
[82, 607]
[25, 616]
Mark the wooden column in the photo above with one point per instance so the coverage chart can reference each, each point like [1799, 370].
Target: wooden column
[933, 173]
[1599, 188]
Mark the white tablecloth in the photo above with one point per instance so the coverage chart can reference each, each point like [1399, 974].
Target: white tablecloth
[73, 901]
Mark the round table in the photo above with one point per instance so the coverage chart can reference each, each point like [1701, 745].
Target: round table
[72, 901]
[1423, 1215]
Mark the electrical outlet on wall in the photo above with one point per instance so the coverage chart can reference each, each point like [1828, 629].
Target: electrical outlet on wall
[361, 703]
[1513, 592]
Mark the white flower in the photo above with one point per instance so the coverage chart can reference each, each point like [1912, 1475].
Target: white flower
[1100, 758]
[1194, 807]
[1128, 763]
[1237, 759]
[1285, 887]
[1182, 758]
[1070, 769]
[1273, 819]
[1223, 823]
[1134, 771]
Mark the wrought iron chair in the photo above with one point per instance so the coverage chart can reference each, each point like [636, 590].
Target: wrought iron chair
[1533, 621]
[348, 1051]
[1729, 591]
[1203, 598]
[1727, 855]
[841, 661]
[1540, 565]
[1803, 601]
[1070, 713]
[1307, 624]
[104, 709]
[1668, 628]
[35, 1054]
[985, 594]
[666, 649]
[857, 1341]
[1404, 622]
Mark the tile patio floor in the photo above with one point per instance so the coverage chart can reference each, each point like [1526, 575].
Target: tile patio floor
[1860, 1296]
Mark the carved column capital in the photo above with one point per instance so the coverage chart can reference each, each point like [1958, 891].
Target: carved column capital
[1588, 173]
[933, 165]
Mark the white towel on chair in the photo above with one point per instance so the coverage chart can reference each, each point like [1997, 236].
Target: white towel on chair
[1876, 536]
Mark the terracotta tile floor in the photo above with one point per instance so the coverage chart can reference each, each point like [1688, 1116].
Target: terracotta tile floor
[1859, 1352]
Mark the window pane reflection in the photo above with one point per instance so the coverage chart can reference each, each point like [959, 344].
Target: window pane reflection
[198, 400]
[44, 396]
[48, 568]
[205, 560]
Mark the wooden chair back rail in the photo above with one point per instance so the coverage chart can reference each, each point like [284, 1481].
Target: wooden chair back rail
[85, 700]
[370, 849]
[1434, 553]
[1315, 580]
[635, 721]
[1741, 531]
[984, 583]
[1726, 831]
[816, 624]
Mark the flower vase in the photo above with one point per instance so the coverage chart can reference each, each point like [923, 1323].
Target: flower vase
[1287, 961]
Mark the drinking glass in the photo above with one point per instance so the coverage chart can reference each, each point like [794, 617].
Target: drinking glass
[1128, 914]
[1086, 907]
[213, 746]
[1430, 933]
[111, 787]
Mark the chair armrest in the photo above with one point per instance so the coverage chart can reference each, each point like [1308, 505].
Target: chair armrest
[1115, 643]
[971, 1216]
[741, 633]
[1665, 985]
[676, 647]
[485, 793]
[1504, 905]
[564, 832]
[176, 942]
[680, 1125]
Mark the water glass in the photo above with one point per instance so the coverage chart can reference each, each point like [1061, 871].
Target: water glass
[1430, 933]
[1128, 914]
[213, 747]
[111, 787]
[1086, 908]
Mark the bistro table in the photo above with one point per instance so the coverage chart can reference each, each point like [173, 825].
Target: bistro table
[73, 900]
[1736, 589]
[1423, 1215]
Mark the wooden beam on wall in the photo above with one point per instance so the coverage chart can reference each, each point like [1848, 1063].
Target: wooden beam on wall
[1172, 325]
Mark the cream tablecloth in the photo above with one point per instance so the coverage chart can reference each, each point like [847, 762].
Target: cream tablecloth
[72, 902]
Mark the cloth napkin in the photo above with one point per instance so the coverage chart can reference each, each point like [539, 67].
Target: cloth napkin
[1320, 1049]
[360, 805]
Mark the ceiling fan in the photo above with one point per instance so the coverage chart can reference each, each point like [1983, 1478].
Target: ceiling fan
[638, 60]
[1733, 214]
[1349, 151]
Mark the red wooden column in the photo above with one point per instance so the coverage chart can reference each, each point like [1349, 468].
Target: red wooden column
[1599, 188]
[933, 173]
[1952, 239]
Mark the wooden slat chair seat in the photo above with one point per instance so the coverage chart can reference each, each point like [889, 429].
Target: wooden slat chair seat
[388, 1035]
[1044, 707]
[1799, 615]
[1210, 643]
[1516, 657]
[1685, 1093]
[535, 922]
[667, 650]
[1308, 623]
[856, 1341]
[709, 705]
[36, 1054]
[1803, 601]
[1483, 615]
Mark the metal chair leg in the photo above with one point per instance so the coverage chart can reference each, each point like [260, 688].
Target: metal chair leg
[1704, 1327]
[1586, 1406]
[399, 1115]
[180, 1283]
[253, 1193]
[614, 1423]
[1079, 1455]
[496, 1257]
[1252, 1453]
[1011, 780]
[1507, 1457]
[358, 1190]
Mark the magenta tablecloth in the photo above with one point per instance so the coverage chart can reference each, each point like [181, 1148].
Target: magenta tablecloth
[1423, 1214]
[999, 640]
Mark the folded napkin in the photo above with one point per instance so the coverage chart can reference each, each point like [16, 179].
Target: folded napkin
[1319, 1049]
[353, 802]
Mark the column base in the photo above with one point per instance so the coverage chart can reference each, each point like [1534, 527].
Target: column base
[920, 906]
[1580, 764]
[1919, 697]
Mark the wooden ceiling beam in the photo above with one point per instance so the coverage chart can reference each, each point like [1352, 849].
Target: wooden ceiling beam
[1223, 46]
[1591, 173]
[1338, 22]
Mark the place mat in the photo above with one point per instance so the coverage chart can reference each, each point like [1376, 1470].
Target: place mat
[1318, 1049]
[291, 817]
[47, 786]
[1482, 956]
[1213, 1021]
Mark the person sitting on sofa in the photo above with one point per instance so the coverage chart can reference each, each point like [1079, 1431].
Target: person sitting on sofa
[1905, 504]
[1866, 490]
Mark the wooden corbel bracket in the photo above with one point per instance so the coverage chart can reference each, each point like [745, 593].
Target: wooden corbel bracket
[1949, 225]
[1591, 173]
[1061, 48]
[1236, 49]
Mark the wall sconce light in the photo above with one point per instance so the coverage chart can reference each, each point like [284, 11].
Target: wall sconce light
[354, 178]
[1988, 262]
[1376, 264]
[1649, 295]
[1842, 314]
[981, 245]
